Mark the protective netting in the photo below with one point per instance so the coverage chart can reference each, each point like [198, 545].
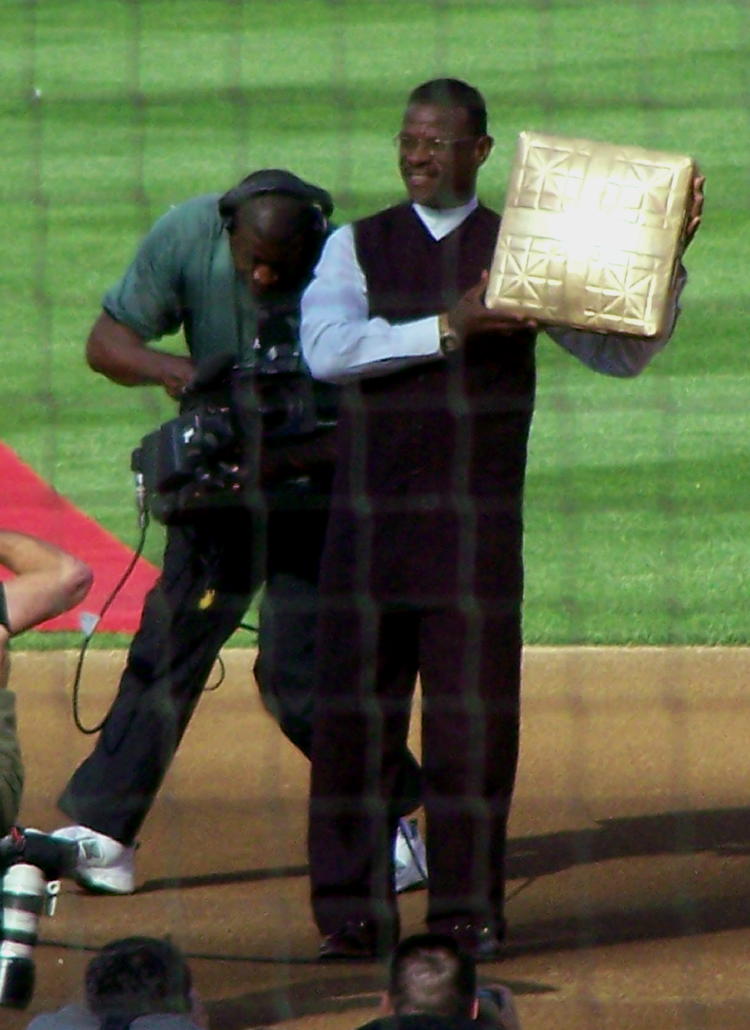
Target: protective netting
[625, 825]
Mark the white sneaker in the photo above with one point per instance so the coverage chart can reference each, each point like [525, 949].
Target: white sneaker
[409, 857]
[104, 865]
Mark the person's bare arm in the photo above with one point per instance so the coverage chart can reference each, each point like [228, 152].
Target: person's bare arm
[47, 580]
[119, 353]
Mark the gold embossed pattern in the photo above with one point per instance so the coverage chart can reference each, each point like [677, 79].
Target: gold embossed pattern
[590, 235]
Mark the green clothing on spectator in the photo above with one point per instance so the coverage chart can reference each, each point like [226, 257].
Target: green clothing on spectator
[11, 767]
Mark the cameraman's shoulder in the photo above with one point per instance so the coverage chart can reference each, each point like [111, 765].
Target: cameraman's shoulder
[196, 216]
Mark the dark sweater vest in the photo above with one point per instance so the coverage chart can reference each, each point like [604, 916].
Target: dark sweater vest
[433, 457]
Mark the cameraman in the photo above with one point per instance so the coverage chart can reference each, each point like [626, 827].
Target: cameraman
[47, 582]
[229, 271]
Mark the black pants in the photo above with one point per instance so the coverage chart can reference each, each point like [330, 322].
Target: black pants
[468, 659]
[212, 568]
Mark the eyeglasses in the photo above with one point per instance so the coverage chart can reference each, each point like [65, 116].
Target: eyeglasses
[408, 144]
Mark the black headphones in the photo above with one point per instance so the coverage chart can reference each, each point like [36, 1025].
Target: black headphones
[277, 180]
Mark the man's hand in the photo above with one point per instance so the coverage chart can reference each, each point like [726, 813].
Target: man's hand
[471, 315]
[176, 374]
[695, 212]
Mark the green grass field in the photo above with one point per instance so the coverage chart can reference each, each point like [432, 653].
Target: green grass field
[637, 525]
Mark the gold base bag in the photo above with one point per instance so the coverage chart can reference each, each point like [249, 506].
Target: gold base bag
[591, 235]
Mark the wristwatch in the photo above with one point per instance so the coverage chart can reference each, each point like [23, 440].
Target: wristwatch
[449, 341]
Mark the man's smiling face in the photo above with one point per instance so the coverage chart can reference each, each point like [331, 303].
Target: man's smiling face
[440, 155]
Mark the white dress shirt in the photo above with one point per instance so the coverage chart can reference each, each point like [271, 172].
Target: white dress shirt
[340, 341]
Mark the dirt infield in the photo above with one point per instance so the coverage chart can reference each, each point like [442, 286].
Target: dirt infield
[629, 890]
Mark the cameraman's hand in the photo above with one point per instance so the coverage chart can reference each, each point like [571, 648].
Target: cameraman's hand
[471, 315]
[177, 374]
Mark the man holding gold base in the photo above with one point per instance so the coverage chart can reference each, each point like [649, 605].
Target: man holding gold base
[422, 570]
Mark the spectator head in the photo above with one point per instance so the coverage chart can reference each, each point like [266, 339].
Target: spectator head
[136, 976]
[430, 974]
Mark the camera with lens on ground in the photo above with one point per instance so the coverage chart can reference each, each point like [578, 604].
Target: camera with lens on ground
[31, 864]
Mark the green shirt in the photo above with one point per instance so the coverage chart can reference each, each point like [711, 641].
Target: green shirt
[11, 767]
[183, 276]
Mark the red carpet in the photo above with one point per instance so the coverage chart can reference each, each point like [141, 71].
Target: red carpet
[29, 505]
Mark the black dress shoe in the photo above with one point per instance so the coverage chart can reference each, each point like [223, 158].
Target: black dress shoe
[480, 940]
[356, 939]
